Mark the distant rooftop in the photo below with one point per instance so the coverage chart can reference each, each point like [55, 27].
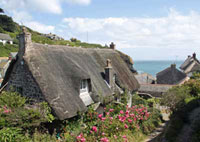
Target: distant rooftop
[5, 37]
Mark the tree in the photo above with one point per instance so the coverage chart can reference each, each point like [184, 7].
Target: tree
[1, 10]
[7, 24]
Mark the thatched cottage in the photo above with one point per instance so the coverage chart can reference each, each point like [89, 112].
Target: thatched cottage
[190, 65]
[171, 75]
[68, 78]
[5, 38]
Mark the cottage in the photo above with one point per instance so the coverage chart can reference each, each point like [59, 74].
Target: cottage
[171, 75]
[68, 78]
[53, 36]
[5, 38]
[145, 78]
[190, 65]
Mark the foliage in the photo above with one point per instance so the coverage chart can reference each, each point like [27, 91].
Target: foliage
[39, 38]
[14, 112]
[136, 100]
[175, 97]
[1, 10]
[193, 86]
[118, 123]
[18, 118]
[12, 135]
[196, 76]
[182, 100]
[5, 50]
[7, 24]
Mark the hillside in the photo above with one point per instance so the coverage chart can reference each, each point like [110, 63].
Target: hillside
[8, 26]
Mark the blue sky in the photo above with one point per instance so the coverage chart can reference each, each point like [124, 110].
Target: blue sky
[143, 29]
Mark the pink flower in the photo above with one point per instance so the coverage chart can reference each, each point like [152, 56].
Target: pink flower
[79, 137]
[130, 121]
[111, 110]
[103, 134]
[103, 118]
[7, 111]
[121, 112]
[127, 112]
[115, 136]
[111, 118]
[83, 139]
[94, 128]
[107, 113]
[124, 137]
[100, 116]
[104, 139]
[126, 126]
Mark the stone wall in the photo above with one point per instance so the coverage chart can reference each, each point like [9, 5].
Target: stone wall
[23, 82]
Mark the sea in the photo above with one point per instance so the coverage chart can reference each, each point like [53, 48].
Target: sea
[153, 67]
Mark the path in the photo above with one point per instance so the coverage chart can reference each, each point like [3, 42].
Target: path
[159, 130]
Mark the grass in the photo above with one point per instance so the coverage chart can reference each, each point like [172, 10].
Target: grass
[5, 50]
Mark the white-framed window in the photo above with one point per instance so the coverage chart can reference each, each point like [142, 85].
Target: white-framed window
[84, 86]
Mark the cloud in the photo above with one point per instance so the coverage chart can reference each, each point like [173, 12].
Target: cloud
[80, 2]
[174, 32]
[40, 27]
[47, 6]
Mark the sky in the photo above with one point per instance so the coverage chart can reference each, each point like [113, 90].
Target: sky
[143, 29]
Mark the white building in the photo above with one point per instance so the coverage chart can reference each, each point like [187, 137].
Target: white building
[5, 38]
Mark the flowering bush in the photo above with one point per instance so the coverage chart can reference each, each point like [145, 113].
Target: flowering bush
[114, 123]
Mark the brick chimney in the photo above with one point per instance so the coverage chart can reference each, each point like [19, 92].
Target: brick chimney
[24, 41]
[109, 73]
[112, 46]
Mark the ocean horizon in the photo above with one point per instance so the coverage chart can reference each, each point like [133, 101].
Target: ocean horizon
[154, 66]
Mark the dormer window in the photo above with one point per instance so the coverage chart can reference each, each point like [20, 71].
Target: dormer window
[84, 86]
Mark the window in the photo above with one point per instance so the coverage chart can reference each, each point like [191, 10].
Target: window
[84, 86]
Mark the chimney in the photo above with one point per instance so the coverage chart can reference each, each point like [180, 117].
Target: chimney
[173, 66]
[194, 55]
[24, 41]
[109, 73]
[112, 46]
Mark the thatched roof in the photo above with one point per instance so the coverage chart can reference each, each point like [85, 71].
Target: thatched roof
[58, 70]
[5, 37]
[145, 78]
[155, 90]
[191, 64]
[170, 75]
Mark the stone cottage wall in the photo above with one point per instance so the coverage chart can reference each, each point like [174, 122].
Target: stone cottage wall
[23, 82]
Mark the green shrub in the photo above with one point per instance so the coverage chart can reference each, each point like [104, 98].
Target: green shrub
[15, 112]
[136, 100]
[12, 135]
[175, 97]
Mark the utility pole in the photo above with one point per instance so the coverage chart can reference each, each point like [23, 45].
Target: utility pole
[87, 36]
